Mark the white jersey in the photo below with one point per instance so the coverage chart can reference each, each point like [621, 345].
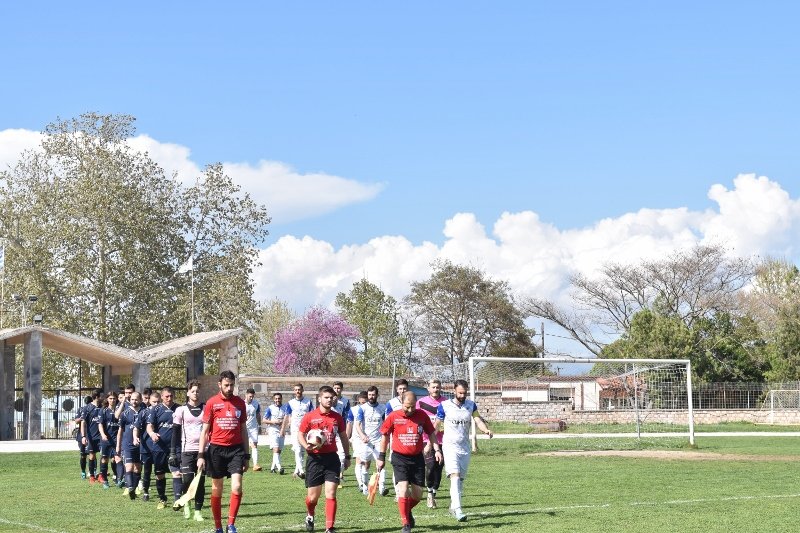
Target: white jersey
[253, 410]
[370, 417]
[395, 404]
[191, 421]
[343, 408]
[275, 414]
[457, 422]
[298, 409]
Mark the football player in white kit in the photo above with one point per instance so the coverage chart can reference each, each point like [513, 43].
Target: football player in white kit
[297, 407]
[368, 420]
[274, 415]
[356, 444]
[253, 425]
[456, 416]
[342, 406]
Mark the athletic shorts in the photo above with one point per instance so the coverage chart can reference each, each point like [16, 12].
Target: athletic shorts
[409, 468]
[160, 462]
[189, 463]
[274, 440]
[369, 451]
[456, 462]
[145, 453]
[108, 448]
[92, 446]
[224, 461]
[252, 435]
[131, 455]
[322, 467]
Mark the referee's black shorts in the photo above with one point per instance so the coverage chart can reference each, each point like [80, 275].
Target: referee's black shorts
[224, 461]
[322, 467]
[409, 468]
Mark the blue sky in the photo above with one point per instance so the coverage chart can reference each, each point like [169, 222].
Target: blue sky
[391, 119]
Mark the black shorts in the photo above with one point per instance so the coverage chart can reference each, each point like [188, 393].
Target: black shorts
[322, 467]
[188, 463]
[160, 462]
[409, 468]
[131, 455]
[92, 446]
[224, 461]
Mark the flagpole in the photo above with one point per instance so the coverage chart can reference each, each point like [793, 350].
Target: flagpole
[192, 299]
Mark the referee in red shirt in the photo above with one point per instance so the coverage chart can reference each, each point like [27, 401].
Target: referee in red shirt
[406, 428]
[323, 465]
[224, 417]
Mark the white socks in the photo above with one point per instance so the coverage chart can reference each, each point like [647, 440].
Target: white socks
[276, 460]
[455, 493]
[254, 454]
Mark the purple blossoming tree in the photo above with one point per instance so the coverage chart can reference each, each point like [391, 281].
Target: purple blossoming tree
[309, 344]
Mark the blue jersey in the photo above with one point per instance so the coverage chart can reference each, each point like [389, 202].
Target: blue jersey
[141, 425]
[93, 417]
[110, 424]
[160, 417]
[127, 421]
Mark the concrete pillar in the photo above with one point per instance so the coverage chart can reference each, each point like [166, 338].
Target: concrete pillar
[141, 376]
[110, 381]
[195, 364]
[7, 395]
[32, 402]
[229, 358]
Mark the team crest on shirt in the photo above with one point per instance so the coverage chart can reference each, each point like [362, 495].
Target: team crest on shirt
[238, 413]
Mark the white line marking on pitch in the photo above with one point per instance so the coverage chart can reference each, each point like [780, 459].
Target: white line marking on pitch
[30, 526]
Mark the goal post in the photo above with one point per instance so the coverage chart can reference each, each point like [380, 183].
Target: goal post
[648, 397]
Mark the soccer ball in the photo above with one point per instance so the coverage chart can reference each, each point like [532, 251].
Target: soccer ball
[315, 438]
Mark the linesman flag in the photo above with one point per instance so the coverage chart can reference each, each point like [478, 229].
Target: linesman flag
[187, 266]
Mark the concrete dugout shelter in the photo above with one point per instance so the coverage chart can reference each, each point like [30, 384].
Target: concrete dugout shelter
[115, 360]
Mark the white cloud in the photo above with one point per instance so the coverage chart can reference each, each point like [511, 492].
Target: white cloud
[755, 217]
[288, 194]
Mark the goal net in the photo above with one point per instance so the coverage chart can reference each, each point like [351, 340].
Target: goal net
[780, 403]
[598, 399]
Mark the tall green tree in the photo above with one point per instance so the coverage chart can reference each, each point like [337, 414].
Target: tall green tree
[258, 346]
[97, 231]
[377, 317]
[463, 313]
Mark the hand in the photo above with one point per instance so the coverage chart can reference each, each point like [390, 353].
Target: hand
[365, 439]
[245, 465]
[379, 465]
[427, 449]
[346, 463]
[156, 437]
[104, 438]
[173, 460]
[83, 440]
[489, 432]
[136, 441]
[439, 457]
[201, 464]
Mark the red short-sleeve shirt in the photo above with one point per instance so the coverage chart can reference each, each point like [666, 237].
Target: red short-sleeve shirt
[407, 431]
[226, 416]
[330, 424]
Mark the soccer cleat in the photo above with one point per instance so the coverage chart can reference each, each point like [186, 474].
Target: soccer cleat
[458, 515]
[146, 497]
[281, 471]
[406, 529]
[434, 502]
[384, 492]
[257, 468]
[231, 528]
[301, 475]
[411, 521]
[83, 475]
[187, 512]
[309, 523]
[131, 494]
[105, 485]
[92, 480]
[198, 517]
[273, 470]
[162, 504]
[219, 530]
[139, 490]
[121, 483]
[330, 530]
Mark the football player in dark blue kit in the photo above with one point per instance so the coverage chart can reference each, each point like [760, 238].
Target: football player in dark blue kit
[92, 432]
[78, 436]
[159, 427]
[109, 446]
[144, 449]
[129, 446]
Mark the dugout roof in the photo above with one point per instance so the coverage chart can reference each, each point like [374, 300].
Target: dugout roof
[119, 358]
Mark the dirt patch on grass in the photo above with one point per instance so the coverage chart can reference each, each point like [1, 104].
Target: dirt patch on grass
[674, 455]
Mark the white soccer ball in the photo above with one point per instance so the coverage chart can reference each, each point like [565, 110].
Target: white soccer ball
[315, 438]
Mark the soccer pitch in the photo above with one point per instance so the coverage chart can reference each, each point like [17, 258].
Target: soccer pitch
[727, 484]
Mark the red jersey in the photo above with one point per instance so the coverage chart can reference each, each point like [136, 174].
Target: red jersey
[226, 416]
[406, 431]
[331, 424]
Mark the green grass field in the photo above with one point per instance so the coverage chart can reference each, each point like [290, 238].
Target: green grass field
[512, 486]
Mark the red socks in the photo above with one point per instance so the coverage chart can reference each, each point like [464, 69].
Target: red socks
[216, 510]
[310, 507]
[236, 500]
[330, 513]
[404, 505]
